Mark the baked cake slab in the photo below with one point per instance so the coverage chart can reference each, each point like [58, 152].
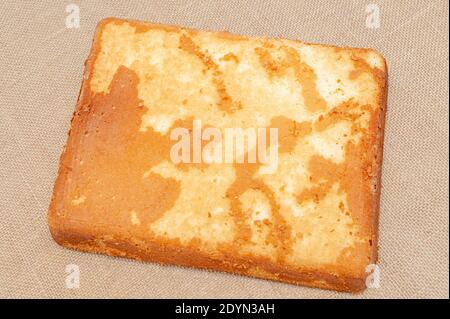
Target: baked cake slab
[309, 219]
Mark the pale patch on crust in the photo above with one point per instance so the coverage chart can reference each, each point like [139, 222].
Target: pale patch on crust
[324, 231]
[330, 143]
[257, 208]
[79, 200]
[134, 218]
[201, 211]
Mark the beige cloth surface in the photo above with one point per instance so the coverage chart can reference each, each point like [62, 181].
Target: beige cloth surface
[40, 74]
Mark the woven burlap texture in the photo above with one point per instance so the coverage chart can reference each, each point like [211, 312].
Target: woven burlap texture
[40, 74]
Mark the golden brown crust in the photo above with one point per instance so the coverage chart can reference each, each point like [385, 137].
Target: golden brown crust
[97, 229]
[85, 238]
[380, 124]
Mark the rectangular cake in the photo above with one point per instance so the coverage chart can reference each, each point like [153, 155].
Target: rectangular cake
[248, 155]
